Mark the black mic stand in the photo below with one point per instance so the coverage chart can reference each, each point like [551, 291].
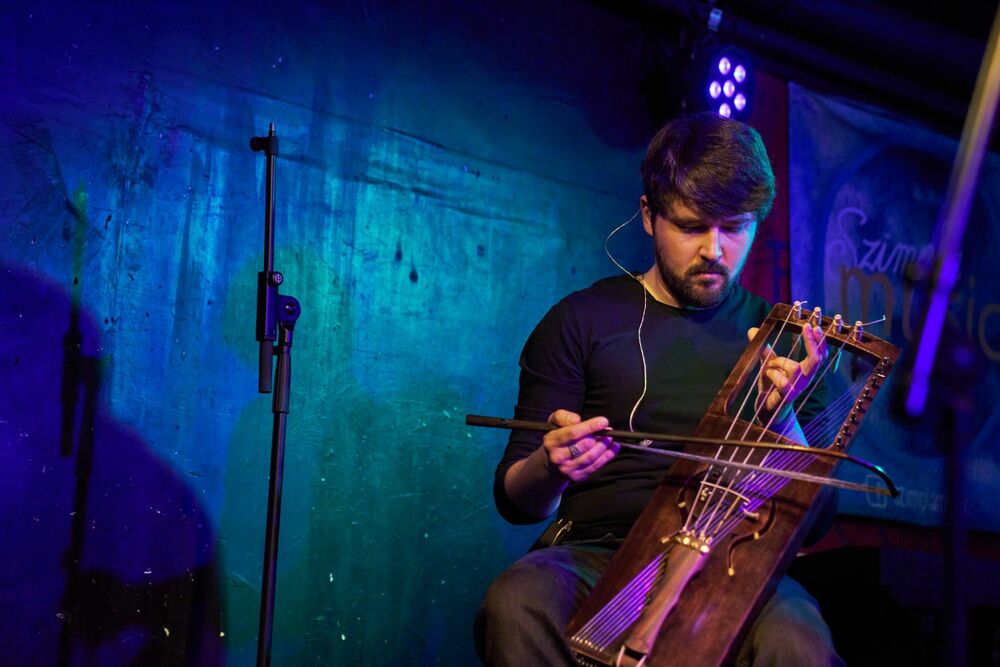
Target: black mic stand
[276, 316]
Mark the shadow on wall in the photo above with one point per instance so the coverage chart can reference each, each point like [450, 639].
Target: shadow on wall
[110, 560]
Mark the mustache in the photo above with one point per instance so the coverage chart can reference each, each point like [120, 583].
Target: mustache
[708, 267]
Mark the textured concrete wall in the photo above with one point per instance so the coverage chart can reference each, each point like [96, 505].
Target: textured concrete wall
[446, 174]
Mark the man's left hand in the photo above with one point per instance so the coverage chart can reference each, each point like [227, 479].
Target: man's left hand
[784, 379]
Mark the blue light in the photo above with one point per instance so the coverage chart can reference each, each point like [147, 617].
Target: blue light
[727, 77]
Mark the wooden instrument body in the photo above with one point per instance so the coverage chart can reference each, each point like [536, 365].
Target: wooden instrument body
[716, 609]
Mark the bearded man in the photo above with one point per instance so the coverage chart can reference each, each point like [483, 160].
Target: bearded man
[646, 352]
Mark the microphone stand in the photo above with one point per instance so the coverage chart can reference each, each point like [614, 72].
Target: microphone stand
[945, 362]
[276, 316]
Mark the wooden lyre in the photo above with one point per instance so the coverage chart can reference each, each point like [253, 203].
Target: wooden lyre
[707, 552]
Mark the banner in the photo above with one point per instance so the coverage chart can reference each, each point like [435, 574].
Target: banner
[865, 193]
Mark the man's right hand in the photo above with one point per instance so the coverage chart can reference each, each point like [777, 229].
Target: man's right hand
[573, 448]
[570, 453]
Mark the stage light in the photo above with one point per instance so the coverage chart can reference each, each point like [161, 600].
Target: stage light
[725, 80]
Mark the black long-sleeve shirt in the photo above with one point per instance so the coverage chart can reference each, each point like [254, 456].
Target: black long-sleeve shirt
[584, 356]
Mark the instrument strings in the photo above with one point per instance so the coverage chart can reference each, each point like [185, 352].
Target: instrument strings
[745, 495]
[758, 487]
[725, 497]
[741, 496]
[709, 493]
[624, 608]
[830, 416]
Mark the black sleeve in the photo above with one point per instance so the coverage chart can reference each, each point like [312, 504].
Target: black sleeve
[814, 406]
[552, 377]
[815, 426]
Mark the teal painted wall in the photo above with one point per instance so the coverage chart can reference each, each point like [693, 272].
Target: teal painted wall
[447, 172]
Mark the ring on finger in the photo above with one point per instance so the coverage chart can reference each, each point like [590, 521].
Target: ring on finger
[573, 451]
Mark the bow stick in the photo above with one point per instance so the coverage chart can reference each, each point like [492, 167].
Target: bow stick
[618, 436]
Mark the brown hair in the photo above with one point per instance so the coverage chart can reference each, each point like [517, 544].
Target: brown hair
[714, 164]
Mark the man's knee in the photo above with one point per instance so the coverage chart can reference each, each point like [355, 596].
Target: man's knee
[524, 611]
[791, 631]
[530, 588]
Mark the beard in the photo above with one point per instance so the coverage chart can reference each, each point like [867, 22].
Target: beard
[689, 291]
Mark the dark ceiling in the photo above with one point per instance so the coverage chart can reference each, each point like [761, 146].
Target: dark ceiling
[918, 58]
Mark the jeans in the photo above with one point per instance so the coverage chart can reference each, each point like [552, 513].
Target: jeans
[526, 609]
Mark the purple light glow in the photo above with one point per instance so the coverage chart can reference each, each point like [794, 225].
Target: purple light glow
[740, 73]
[714, 89]
[724, 66]
[740, 102]
[724, 110]
[917, 397]
[729, 88]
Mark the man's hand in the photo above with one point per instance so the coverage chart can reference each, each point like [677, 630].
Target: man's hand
[573, 449]
[784, 379]
[570, 453]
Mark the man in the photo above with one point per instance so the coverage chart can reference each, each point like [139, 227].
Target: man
[643, 352]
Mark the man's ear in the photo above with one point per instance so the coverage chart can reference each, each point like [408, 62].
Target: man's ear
[647, 215]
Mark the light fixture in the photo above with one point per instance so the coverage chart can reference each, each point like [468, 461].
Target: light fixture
[723, 77]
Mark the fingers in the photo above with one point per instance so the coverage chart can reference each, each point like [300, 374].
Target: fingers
[564, 418]
[572, 428]
[594, 453]
[779, 380]
[598, 456]
[766, 351]
[791, 377]
[588, 451]
[574, 448]
[784, 378]
[783, 364]
[767, 395]
[815, 343]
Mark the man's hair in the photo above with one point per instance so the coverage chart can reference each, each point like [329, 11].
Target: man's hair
[717, 165]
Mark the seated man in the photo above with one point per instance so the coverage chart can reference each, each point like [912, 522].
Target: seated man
[644, 352]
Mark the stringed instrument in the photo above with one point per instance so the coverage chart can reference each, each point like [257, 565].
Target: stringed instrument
[730, 514]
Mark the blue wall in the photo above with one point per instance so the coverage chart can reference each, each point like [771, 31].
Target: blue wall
[446, 174]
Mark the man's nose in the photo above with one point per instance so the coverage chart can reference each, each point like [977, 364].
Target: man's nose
[710, 245]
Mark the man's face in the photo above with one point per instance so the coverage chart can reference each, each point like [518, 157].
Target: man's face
[699, 259]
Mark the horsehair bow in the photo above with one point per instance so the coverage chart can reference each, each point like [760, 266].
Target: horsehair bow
[623, 438]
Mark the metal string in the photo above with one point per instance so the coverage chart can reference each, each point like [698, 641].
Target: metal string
[704, 523]
[623, 609]
[710, 497]
[752, 491]
[761, 485]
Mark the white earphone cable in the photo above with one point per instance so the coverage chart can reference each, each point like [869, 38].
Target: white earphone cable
[638, 333]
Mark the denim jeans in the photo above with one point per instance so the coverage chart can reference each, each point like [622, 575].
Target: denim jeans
[526, 609]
